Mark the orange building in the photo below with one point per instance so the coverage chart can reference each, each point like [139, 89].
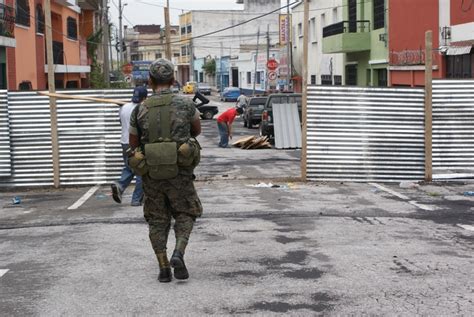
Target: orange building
[71, 25]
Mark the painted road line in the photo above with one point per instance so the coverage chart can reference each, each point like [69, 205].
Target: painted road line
[467, 227]
[3, 272]
[84, 198]
[401, 196]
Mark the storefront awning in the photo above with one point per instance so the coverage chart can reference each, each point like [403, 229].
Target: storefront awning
[459, 50]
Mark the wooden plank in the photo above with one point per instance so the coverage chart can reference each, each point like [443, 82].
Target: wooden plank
[79, 97]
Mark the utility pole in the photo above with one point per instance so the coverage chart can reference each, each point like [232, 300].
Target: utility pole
[221, 75]
[52, 89]
[191, 60]
[256, 62]
[428, 106]
[105, 42]
[120, 46]
[109, 48]
[267, 85]
[288, 44]
[168, 30]
[304, 107]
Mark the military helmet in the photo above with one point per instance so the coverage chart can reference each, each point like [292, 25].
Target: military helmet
[162, 70]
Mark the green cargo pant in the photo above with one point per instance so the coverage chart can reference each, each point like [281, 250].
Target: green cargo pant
[166, 199]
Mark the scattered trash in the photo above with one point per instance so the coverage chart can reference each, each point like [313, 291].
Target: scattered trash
[408, 184]
[225, 175]
[101, 196]
[16, 200]
[469, 193]
[269, 185]
[252, 143]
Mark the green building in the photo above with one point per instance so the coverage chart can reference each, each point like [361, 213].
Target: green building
[362, 36]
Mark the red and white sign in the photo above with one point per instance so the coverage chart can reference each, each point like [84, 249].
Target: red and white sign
[272, 75]
[272, 64]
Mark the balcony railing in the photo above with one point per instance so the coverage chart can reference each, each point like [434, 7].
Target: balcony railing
[7, 21]
[346, 27]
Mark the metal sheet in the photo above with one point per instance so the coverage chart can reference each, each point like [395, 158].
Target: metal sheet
[88, 132]
[458, 50]
[453, 129]
[5, 157]
[365, 134]
[287, 126]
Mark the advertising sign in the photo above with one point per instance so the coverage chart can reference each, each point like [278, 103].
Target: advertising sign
[285, 29]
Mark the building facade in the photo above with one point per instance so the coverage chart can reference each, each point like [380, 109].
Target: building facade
[200, 41]
[147, 42]
[452, 23]
[71, 26]
[323, 69]
[362, 35]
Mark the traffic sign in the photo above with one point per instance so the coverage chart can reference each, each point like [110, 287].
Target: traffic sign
[272, 64]
[272, 76]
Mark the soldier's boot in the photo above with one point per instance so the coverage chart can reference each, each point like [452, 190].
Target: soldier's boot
[177, 262]
[177, 259]
[165, 275]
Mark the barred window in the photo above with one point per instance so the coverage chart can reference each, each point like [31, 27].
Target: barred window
[313, 79]
[326, 80]
[22, 12]
[379, 14]
[337, 80]
[39, 19]
[71, 28]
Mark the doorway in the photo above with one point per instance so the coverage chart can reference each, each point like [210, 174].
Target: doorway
[235, 77]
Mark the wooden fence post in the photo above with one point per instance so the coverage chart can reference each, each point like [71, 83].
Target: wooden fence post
[428, 106]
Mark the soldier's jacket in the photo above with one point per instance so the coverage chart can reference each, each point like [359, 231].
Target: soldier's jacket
[183, 111]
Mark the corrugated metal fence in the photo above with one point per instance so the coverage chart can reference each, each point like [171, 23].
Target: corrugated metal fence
[88, 133]
[453, 129]
[5, 158]
[364, 134]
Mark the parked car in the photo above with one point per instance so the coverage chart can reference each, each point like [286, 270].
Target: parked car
[175, 88]
[253, 111]
[204, 89]
[230, 94]
[190, 87]
[266, 125]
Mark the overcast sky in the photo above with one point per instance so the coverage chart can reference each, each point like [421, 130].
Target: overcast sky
[151, 11]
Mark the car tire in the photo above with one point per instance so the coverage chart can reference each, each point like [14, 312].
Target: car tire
[207, 115]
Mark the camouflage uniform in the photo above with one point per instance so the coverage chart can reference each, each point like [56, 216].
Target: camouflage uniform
[172, 198]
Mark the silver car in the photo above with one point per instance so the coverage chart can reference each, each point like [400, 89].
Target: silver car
[204, 89]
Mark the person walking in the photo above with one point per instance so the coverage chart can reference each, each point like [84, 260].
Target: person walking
[139, 94]
[224, 125]
[159, 126]
[241, 101]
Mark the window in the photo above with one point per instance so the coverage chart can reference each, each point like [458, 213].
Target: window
[158, 55]
[313, 36]
[72, 84]
[22, 14]
[189, 29]
[300, 30]
[183, 30]
[258, 80]
[185, 50]
[175, 54]
[335, 19]
[337, 80]
[326, 80]
[382, 77]
[39, 19]
[313, 79]
[460, 66]
[201, 77]
[379, 14]
[249, 78]
[351, 75]
[71, 28]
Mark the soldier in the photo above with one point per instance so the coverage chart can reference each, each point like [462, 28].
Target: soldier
[158, 126]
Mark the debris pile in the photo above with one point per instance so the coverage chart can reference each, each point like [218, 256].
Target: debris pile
[252, 143]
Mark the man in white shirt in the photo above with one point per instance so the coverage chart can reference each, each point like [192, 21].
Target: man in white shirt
[242, 101]
[139, 94]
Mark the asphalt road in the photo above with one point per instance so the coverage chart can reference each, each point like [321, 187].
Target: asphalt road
[295, 248]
